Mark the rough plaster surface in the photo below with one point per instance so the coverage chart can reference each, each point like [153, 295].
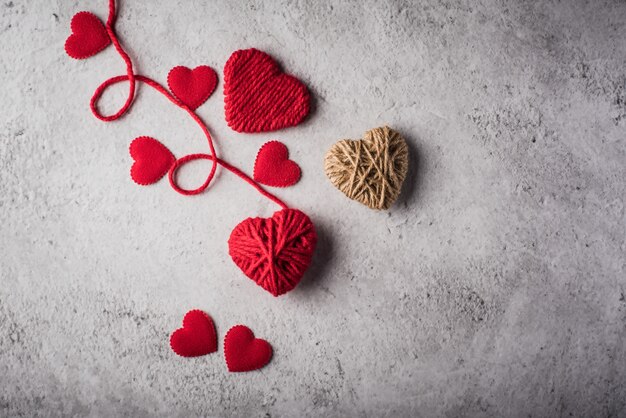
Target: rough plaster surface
[494, 287]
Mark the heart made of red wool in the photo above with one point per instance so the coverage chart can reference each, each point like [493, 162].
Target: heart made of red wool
[192, 87]
[89, 36]
[243, 352]
[274, 252]
[197, 337]
[152, 160]
[258, 96]
[273, 166]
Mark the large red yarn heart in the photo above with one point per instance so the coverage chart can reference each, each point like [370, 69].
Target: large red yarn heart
[273, 166]
[274, 252]
[197, 337]
[258, 96]
[152, 160]
[89, 36]
[243, 352]
[192, 87]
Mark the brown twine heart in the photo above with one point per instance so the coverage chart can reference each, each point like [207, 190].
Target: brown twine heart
[370, 170]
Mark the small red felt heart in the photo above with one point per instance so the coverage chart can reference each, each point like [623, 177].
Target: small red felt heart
[274, 252]
[258, 96]
[152, 160]
[197, 337]
[192, 87]
[243, 352]
[89, 36]
[273, 166]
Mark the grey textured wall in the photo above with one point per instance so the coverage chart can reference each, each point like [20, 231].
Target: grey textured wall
[494, 287]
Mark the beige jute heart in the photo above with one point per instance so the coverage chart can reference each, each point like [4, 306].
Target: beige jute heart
[370, 170]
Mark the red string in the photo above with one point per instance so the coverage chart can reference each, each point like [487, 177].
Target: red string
[229, 167]
[132, 78]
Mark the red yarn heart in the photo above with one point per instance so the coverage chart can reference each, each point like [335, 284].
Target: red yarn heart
[152, 160]
[89, 36]
[192, 87]
[258, 96]
[243, 352]
[274, 252]
[273, 166]
[197, 337]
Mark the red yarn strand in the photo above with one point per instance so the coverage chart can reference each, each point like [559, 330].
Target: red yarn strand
[133, 78]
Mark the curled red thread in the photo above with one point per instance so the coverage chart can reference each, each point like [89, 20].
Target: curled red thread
[133, 78]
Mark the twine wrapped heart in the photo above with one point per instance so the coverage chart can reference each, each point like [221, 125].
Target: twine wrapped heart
[371, 170]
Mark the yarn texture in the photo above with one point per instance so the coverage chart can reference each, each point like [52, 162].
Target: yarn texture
[274, 252]
[258, 96]
[370, 170]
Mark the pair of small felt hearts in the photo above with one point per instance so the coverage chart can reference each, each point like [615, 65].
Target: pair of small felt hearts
[153, 160]
[242, 351]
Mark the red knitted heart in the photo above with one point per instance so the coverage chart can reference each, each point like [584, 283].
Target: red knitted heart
[197, 337]
[274, 252]
[89, 36]
[258, 96]
[243, 352]
[152, 160]
[192, 87]
[273, 166]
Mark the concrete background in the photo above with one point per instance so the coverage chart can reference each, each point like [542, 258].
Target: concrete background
[494, 287]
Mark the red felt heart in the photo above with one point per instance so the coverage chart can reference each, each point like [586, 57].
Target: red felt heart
[274, 252]
[192, 87]
[152, 160]
[273, 166]
[258, 96]
[243, 352]
[197, 337]
[89, 36]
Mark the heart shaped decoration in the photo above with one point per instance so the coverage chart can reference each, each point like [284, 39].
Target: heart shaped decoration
[89, 36]
[274, 252]
[152, 160]
[273, 167]
[192, 87]
[197, 337]
[371, 170]
[258, 96]
[243, 352]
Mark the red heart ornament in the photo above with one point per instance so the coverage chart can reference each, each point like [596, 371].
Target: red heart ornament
[197, 337]
[274, 252]
[192, 87]
[243, 352]
[273, 167]
[152, 160]
[89, 36]
[258, 96]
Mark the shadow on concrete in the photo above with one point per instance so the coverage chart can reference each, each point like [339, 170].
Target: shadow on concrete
[414, 177]
[322, 258]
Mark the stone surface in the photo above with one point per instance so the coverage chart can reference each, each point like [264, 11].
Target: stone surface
[494, 287]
